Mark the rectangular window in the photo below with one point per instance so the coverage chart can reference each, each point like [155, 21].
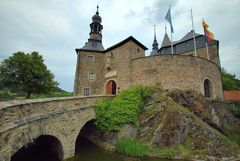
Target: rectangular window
[90, 59]
[86, 92]
[91, 76]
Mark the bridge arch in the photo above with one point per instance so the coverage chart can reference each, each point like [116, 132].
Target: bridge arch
[44, 147]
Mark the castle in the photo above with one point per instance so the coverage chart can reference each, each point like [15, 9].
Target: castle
[109, 71]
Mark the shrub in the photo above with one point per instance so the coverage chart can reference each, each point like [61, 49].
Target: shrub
[234, 109]
[123, 109]
[130, 147]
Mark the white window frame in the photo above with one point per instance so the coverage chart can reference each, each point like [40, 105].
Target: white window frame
[86, 91]
[91, 76]
[90, 59]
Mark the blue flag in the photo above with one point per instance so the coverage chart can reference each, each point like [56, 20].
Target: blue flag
[169, 19]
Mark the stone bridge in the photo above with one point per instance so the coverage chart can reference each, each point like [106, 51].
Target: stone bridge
[22, 121]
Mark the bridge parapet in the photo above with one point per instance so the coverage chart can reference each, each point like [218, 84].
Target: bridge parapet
[13, 113]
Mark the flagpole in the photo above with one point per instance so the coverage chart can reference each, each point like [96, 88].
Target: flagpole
[194, 40]
[206, 42]
[171, 34]
[207, 51]
[171, 43]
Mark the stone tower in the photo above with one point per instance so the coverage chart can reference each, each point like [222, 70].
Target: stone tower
[90, 60]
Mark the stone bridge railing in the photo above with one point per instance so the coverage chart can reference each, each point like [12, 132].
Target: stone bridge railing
[13, 113]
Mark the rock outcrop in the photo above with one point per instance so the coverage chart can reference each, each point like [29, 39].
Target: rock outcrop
[189, 123]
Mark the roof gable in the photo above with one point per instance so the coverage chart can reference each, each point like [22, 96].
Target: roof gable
[130, 38]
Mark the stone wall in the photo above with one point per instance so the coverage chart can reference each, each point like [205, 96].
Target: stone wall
[22, 121]
[84, 68]
[213, 53]
[178, 71]
[120, 64]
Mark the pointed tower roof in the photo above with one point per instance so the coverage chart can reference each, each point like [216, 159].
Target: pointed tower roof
[155, 44]
[166, 41]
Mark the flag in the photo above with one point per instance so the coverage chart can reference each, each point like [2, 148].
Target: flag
[207, 33]
[169, 19]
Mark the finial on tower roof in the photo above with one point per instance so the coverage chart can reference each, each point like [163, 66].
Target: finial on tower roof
[155, 32]
[165, 29]
[97, 10]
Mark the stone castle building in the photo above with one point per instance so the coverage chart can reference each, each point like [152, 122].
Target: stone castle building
[109, 71]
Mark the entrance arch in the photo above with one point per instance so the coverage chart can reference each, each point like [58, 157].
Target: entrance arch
[111, 87]
[207, 88]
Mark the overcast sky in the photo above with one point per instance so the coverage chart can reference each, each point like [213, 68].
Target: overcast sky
[56, 27]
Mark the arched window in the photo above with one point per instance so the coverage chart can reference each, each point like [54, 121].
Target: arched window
[111, 87]
[207, 88]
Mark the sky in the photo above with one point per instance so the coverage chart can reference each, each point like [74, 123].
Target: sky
[55, 28]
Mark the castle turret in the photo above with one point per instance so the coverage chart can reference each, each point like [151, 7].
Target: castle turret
[155, 44]
[95, 41]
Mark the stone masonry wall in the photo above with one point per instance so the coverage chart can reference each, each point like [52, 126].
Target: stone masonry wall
[82, 73]
[178, 71]
[121, 64]
[213, 53]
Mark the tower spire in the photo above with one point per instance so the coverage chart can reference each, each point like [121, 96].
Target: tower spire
[97, 10]
[155, 32]
[155, 43]
[95, 40]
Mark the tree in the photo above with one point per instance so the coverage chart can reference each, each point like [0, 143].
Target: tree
[230, 81]
[27, 73]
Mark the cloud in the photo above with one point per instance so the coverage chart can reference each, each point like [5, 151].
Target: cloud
[55, 28]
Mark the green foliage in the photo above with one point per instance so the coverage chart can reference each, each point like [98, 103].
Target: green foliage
[234, 109]
[130, 147]
[185, 152]
[164, 152]
[27, 73]
[235, 138]
[111, 115]
[5, 95]
[230, 81]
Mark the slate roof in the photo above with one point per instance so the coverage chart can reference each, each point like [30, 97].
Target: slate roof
[89, 47]
[188, 36]
[166, 41]
[233, 95]
[185, 44]
[94, 45]
[130, 38]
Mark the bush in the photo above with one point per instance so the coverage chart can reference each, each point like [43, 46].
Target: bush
[130, 147]
[111, 115]
[5, 95]
[234, 109]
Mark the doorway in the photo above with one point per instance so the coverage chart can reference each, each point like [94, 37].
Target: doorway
[111, 87]
[207, 88]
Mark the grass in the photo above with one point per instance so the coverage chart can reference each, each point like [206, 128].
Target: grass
[130, 147]
[7, 95]
[235, 138]
[164, 152]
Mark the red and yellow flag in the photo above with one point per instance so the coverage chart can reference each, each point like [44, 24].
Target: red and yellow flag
[207, 33]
